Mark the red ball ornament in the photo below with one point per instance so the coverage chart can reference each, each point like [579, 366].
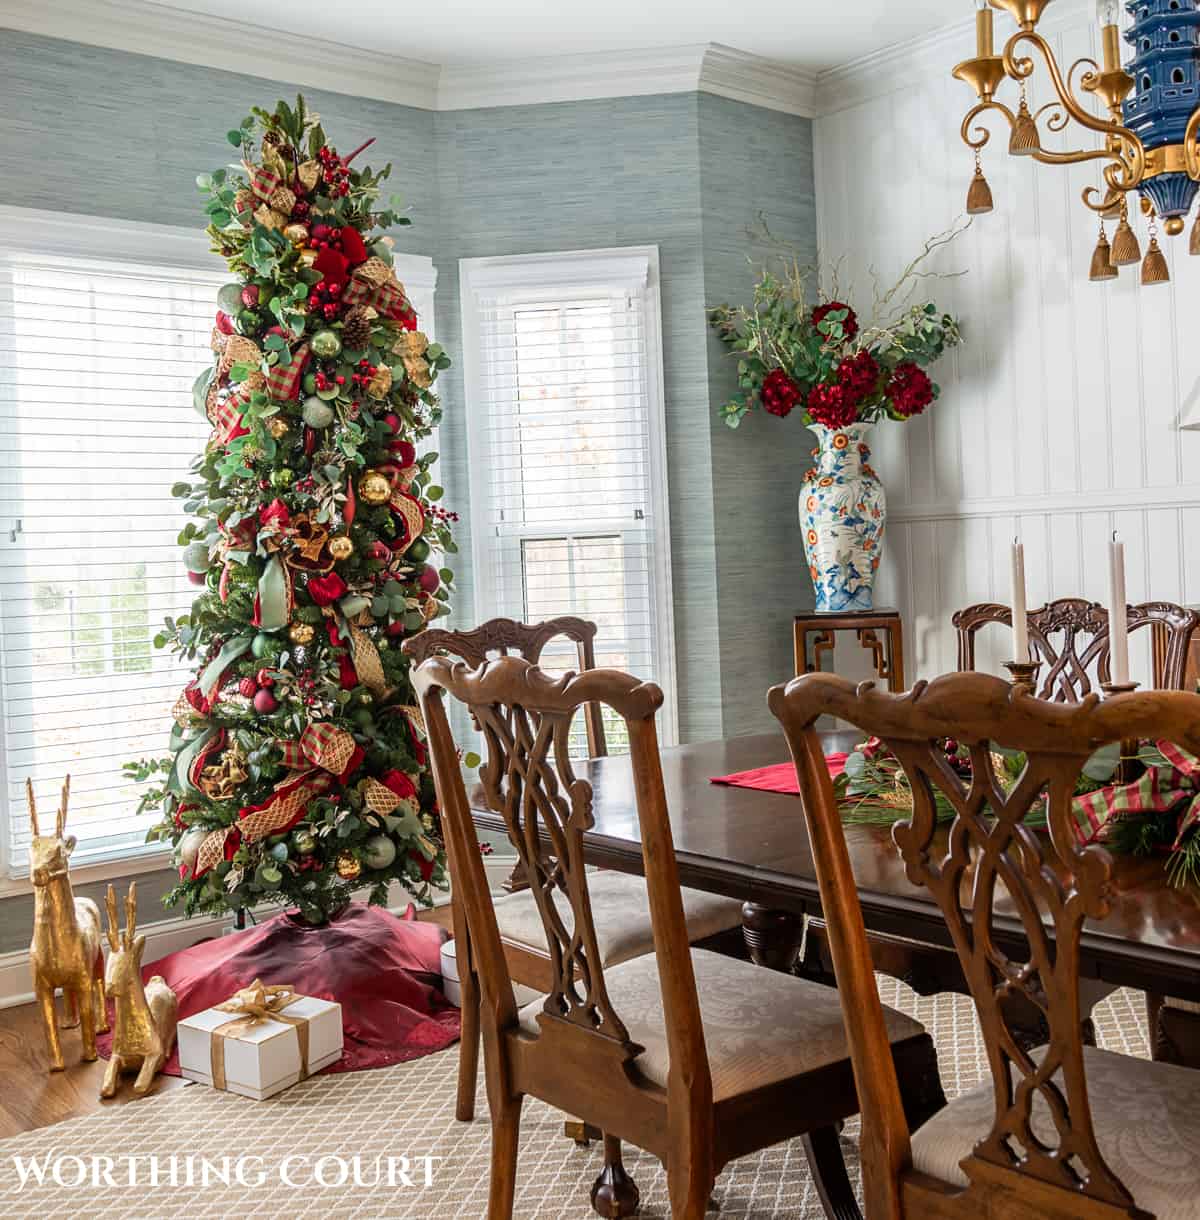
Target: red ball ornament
[264, 702]
[395, 629]
[197, 578]
[264, 679]
[379, 550]
[250, 296]
[248, 687]
[430, 579]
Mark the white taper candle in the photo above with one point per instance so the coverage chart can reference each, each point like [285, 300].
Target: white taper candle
[1118, 619]
[1020, 622]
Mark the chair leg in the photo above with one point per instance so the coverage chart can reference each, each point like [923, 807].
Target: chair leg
[690, 1192]
[828, 1166]
[614, 1193]
[468, 1061]
[506, 1130]
[921, 1091]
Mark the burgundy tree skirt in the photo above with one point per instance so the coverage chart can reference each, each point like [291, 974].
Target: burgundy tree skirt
[384, 971]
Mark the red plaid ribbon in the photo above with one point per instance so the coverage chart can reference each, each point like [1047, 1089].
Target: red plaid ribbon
[264, 181]
[227, 415]
[283, 381]
[1158, 790]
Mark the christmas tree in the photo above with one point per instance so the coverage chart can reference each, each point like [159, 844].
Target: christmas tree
[297, 771]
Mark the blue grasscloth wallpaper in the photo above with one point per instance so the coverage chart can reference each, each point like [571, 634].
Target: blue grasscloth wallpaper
[101, 132]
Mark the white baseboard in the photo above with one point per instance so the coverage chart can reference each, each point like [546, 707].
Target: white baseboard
[165, 936]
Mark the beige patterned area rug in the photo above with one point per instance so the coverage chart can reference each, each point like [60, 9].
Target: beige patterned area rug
[348, 1126]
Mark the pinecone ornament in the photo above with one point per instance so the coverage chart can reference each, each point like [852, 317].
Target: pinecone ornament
[356, 327]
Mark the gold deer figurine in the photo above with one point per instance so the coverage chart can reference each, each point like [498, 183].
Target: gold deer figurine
[65, 951]
[146, 1015]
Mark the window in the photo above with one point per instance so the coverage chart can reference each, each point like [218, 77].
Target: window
[103, 328]
[566, 453]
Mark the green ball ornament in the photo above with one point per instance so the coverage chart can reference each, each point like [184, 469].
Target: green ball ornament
[196, 558]
[281, 477]
[259, 645]
[379, 851]
[310, 383]
[325, 344]
[248, 322]
[364, 718]
[419, 551]
[229, 298]
[317, 413]
[304, 841]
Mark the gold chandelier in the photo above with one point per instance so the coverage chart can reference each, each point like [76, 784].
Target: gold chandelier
[1148, 141]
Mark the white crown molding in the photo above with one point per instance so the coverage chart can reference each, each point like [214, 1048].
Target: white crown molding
[233, 46]
[145, 28]
[906, 64]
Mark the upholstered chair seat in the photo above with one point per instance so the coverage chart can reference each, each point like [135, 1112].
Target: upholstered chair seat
[621, 907]
[760, 1026]
[1147, 1120]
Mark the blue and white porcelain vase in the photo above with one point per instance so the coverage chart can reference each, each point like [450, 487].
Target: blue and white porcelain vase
[842, 511]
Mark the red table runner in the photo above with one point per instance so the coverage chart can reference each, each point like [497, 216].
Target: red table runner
[780, 777]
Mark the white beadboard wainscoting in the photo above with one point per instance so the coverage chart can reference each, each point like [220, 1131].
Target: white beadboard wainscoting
[1060, 417]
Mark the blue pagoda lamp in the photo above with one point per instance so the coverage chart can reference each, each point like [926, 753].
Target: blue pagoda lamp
[1145, 136]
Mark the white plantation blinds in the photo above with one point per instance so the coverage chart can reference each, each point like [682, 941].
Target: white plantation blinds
[97, 362]
[568, 495]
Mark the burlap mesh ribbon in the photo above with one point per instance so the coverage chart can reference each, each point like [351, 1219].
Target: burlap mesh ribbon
[374, 283]
[322, 757]
[255, 1004]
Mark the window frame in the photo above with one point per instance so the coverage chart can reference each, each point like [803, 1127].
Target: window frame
[539, 274]
[72, 239]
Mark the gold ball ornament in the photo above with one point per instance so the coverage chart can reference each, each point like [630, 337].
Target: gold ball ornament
[374, 488]
[278, 428]
[340, 547]
[297, 234]
[301, 633]
[348, 867]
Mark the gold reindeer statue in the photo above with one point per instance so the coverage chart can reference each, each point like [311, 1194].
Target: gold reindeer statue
[146, 1015]
[65, 951]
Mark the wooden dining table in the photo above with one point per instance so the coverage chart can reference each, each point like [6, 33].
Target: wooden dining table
[753, 845]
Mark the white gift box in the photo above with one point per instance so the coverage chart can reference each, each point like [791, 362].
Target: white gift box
[451, 987]
[263, 1057]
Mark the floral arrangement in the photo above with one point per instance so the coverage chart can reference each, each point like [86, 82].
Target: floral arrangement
[1157, 812]
[821, 358]
[297, 767]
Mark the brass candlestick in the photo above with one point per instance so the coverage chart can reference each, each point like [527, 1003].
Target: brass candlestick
[1024, 674]
[1129, 766]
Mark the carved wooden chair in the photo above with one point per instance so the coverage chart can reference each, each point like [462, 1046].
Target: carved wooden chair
[620, 900]
[697, 1057]
[1053, 1133]
[1070, 638]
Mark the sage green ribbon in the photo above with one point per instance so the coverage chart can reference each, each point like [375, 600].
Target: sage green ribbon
[222, 661]
[274, 596]
[179, 781]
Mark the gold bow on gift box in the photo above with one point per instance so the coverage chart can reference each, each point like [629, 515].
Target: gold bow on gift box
[254, 1004]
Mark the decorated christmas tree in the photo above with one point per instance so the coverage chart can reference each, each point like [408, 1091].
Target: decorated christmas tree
[297, 771]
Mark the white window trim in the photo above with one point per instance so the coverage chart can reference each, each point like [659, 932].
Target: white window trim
[72, 238]
[637, 266]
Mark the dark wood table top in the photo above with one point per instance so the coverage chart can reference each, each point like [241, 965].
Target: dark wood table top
[754, 846]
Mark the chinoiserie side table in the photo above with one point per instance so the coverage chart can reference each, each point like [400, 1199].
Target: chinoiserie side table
[887, 653]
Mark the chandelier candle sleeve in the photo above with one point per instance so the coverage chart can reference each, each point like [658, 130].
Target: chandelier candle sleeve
[1020, 621]
[984, 29]
[1118, 626]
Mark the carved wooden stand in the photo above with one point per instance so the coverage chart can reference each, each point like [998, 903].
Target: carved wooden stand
[887, 654]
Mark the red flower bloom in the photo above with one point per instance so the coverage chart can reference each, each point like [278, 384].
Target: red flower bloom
[400, 784]
[828, 405]
[353, 246]
[424, 867]
[325, 590]
[779, 393]
[858, 376]
[849, 323]
[910, 390]
[332, 265]
[275, 511]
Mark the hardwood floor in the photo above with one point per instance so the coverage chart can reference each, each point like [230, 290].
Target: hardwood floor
[33, 1096]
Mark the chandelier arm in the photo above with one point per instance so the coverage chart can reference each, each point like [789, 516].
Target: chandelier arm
[1057, 121]
[982, 135]
[1021, 68]
[1191, 153]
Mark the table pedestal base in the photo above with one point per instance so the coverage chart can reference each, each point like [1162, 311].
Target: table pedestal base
[773, 938]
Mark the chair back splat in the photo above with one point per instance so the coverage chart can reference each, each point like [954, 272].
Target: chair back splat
[1014, 897]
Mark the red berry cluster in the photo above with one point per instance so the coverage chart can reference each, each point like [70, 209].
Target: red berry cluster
[300, 207]
[334, 172]
[363, 374]
[325, 380]
[442, 514]
[326, 299]
[910, 390]
[849, 323]
[779, 393]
